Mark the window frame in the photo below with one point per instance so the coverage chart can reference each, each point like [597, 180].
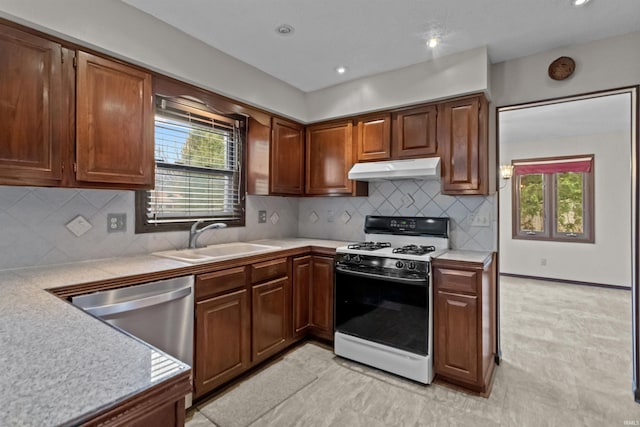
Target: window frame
[169, 88]
[550, 211]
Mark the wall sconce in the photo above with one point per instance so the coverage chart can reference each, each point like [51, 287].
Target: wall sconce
[506, 173]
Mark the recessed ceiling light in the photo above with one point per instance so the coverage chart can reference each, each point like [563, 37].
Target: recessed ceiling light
[341, 69]
[432, 42]
[284, 30]
[579, 2]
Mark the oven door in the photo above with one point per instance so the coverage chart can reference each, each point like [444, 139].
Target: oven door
[390, 311]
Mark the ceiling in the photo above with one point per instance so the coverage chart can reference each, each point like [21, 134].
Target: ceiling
[374, 36]
[591, 116]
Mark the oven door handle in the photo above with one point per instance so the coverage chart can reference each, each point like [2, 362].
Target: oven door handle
[405, 280]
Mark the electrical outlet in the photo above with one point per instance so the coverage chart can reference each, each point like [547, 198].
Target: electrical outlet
[331, 216]
[116, 223]
[262, 217]
[543, 262]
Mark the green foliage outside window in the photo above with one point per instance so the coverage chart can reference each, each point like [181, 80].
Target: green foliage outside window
[532, 202]
[205, 149]
[569, 188]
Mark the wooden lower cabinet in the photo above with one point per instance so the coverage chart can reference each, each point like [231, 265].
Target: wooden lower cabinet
[248, 313]
[161, 406]
[301, 295]
[223, 331]
[465, 323]
[313, 296]
[457, 344]
[271, 324]
[322, 297]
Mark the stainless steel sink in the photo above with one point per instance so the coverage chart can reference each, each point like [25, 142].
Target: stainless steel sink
[215, 252]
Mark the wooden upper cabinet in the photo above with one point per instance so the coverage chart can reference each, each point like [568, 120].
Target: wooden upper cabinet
[258, 147]
[33, 125]
[287, 158]
[329, 156]
[462, 132]
[374, 137]
[415, 132]
[114, 123]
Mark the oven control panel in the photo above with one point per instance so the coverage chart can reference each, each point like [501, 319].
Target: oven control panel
[402, 224]
[379, 265]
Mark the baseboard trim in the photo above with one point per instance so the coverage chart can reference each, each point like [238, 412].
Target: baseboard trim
[570, 282]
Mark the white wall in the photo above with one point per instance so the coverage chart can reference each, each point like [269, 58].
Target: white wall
[600, 65]
[608, 260]
[120, 30]
[458, 74]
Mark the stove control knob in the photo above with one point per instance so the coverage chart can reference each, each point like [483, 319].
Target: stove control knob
[346, 258]
[356, 259]
[412, 265]
[399, 264]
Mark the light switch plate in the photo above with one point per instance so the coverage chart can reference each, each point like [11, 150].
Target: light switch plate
[79, 225]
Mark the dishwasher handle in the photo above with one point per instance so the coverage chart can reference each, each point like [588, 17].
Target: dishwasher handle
[136, 304]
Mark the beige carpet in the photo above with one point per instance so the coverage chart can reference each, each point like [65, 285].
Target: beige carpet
[256, 396]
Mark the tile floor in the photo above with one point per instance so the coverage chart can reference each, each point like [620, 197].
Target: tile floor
[566, 362]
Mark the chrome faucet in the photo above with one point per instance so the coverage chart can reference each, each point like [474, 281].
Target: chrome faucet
[195, 233]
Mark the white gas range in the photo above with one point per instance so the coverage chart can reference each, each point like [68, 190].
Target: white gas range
[383, 295]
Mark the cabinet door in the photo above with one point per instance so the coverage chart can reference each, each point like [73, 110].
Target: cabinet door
[114, 123]
[258, 143]
[329, 156]
[456, 336]
[271, 319]
[322, 296]
[462, 133]
[374, 137]
[301, 295]
[415, 133]
[32, 117]
[287, 158]
[222, 340]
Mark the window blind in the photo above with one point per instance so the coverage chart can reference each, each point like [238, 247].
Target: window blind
[198, 164]
[581, 164]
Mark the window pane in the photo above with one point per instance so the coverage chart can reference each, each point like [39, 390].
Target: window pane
[531, 203]
[569, 202]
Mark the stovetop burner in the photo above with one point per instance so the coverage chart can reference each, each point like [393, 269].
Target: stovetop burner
[414, 250]
[369, 246]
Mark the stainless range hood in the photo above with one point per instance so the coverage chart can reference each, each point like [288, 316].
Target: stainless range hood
[428, 168]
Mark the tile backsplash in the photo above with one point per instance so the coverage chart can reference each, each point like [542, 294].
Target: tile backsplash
[33, 219]
[342, 218]
[33, 231]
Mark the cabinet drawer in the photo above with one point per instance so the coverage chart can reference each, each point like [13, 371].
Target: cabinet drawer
[446, 279]
[268, 270]
[220, 281]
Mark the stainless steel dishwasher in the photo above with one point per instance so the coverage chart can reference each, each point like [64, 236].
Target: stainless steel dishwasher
[159, 313]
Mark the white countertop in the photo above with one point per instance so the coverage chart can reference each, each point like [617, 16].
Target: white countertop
[480, 257]
[60, 364]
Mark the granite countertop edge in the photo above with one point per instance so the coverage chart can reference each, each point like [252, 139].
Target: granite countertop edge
[81, 369]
